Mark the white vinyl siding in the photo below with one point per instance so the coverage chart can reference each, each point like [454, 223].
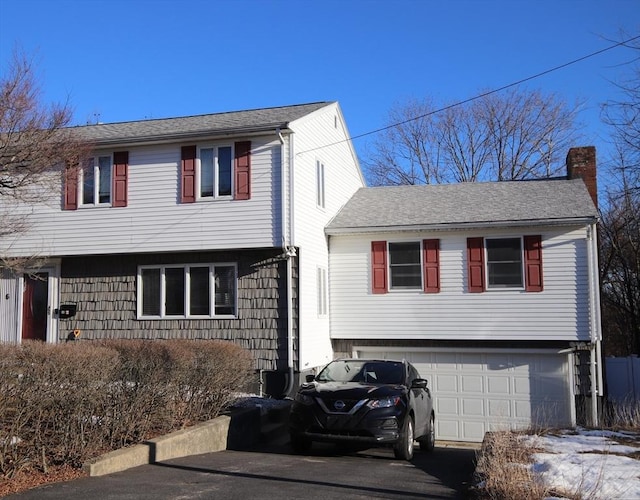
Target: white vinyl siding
[155, 220]
[342, 178]
[560, 312]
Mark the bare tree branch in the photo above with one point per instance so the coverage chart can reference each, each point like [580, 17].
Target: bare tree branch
[502, 136]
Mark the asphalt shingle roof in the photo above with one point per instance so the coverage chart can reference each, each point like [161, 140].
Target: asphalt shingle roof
[465, 203]
[247, 120]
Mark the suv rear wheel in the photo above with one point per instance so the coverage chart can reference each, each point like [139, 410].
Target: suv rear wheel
[404, 449]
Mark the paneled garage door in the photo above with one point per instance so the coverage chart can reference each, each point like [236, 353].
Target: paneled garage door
[476, 392]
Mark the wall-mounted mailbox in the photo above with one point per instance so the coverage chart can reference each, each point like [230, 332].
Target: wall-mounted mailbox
[67, 311]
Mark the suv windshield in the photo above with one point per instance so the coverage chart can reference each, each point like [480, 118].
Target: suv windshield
[366, 372]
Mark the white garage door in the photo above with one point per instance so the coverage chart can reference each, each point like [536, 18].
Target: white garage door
[475, 392]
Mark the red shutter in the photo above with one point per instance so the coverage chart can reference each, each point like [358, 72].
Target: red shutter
[475, 264]
[188, 175]
[120, 178]
[431, 249]
[379, 266]
[533, 263]
[243, 170]
[71, 187]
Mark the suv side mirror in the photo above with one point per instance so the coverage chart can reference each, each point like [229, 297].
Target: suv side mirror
[309, 378]
[419, 383]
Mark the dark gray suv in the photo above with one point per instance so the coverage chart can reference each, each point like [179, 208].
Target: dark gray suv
[366, 402]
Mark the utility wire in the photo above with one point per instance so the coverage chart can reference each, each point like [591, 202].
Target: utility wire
[479, 96]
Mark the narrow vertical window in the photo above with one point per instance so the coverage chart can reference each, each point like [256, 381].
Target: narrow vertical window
[320, 184]
[150, 292]
[206, 172]
[174, 291]
[225, 298]
[104, 186]
[322, 291]
[88, 184]
[199, 296]
[224, 171]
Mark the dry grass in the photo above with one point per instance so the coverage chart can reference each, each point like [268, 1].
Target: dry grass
[503, 469]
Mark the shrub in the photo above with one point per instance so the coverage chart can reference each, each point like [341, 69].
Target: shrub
[65, 403]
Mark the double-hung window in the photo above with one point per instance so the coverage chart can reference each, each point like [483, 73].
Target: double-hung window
[215, 171]
[408, 265]
[405, 270]
[184, 291]
[95, 185]
[504, 263]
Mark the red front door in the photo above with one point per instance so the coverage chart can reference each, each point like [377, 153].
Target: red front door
[35, 303]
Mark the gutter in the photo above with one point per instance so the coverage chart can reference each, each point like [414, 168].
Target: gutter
[190, 135]
[594, 323]
[460, 226]
[290, 251]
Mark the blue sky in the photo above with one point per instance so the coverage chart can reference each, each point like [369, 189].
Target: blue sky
[123, 60]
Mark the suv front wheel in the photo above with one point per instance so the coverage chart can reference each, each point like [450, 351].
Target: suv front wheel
[404, 449]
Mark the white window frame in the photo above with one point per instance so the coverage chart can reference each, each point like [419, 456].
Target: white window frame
[216, 172]
[320, 184]
[390, 286]
[322, 289]
[488, 285]
[187, 290]
[95, 159]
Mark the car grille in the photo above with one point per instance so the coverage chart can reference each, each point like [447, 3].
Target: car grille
[337, 405]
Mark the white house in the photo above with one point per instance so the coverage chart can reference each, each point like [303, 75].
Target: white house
[255, 226]
[198, 227]
[490, 289]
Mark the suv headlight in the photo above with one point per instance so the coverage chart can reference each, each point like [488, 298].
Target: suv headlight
[303, 399]
[387, 402]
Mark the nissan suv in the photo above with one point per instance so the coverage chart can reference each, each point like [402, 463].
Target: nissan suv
[366, 402]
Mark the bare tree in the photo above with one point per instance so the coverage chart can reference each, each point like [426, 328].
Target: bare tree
[623, 116]
[620, 224]
[509, 135]
[620, 268]
[35, 147]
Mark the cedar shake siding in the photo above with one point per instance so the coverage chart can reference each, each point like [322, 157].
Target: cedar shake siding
[104, 289]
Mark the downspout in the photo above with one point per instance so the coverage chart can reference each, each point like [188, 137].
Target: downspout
[290, 253]
[594, 321]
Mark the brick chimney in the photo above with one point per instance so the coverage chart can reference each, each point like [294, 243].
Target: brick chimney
[581, 164]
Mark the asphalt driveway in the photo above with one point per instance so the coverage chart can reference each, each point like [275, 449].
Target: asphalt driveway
[274, 472]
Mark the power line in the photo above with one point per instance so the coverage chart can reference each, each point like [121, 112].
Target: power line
[479, 96]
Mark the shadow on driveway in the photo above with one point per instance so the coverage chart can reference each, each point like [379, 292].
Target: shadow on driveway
[272, 472]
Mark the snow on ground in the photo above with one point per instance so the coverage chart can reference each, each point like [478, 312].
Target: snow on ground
[595, 464]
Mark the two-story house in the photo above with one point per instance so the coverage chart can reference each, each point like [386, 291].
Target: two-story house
[201, 227]
[255, 226]
[490, 289]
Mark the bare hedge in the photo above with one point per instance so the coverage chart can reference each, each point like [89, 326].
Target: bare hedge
[66, 403]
